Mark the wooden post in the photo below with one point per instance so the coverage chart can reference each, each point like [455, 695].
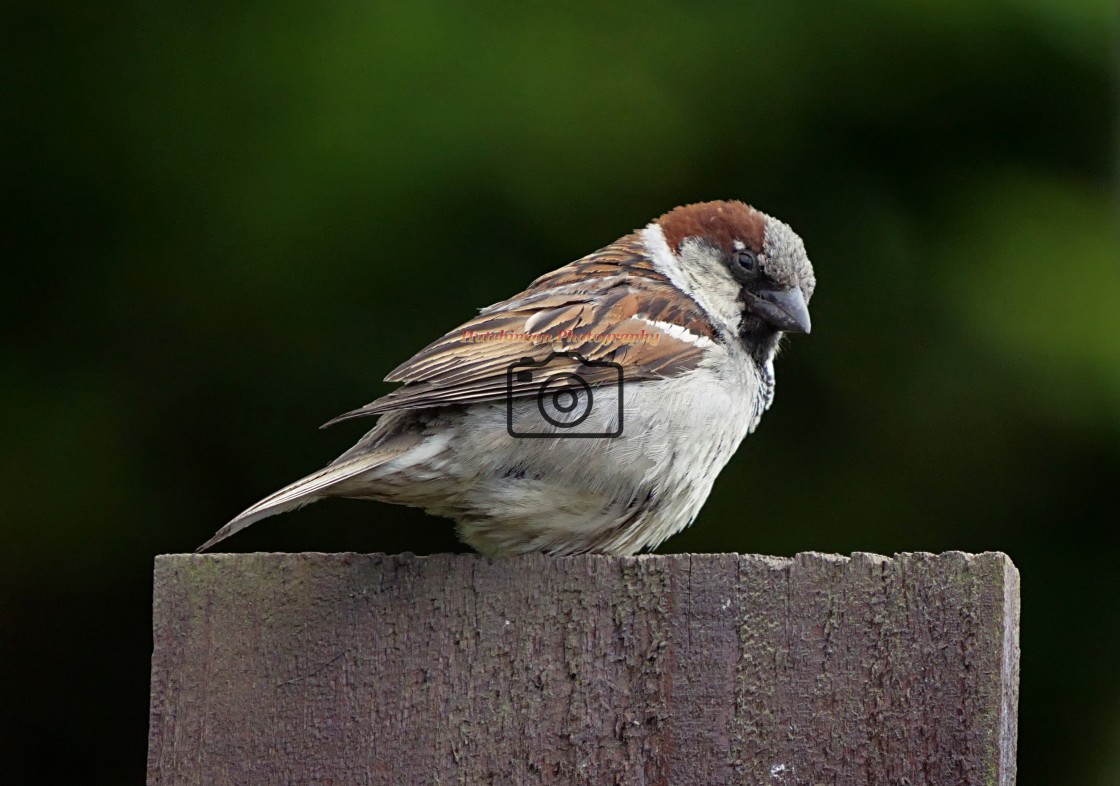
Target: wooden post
[677, 669]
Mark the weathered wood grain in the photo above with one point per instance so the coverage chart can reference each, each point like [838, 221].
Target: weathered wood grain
[676, 669]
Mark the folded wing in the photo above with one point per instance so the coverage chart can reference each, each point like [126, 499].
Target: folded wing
[610, 306]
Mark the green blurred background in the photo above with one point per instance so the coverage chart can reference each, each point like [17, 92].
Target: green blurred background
[224, 225]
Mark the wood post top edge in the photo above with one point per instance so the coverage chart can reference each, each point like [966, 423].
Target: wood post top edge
[992, 558]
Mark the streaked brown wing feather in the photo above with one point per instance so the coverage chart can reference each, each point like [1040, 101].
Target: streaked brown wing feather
[612, 291]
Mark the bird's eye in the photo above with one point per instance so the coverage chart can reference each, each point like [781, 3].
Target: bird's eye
[747, 259]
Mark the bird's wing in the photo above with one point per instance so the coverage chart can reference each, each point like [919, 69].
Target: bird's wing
[610, 307]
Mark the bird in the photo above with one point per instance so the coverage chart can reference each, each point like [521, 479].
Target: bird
[592, 411]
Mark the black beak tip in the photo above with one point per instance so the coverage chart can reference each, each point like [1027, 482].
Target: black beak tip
[784, 309]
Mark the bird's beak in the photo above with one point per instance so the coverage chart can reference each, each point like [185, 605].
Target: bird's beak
[785, 309]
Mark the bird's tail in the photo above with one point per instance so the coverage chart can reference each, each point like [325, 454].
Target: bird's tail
[303, 492]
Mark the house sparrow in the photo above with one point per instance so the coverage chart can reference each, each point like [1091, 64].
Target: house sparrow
[656, 350]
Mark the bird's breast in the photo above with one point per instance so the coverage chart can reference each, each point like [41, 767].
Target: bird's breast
[559, 491]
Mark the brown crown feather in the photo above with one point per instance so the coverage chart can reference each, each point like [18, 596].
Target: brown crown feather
[721, 222]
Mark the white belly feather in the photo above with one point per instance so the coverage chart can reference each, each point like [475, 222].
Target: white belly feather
[566, 495]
